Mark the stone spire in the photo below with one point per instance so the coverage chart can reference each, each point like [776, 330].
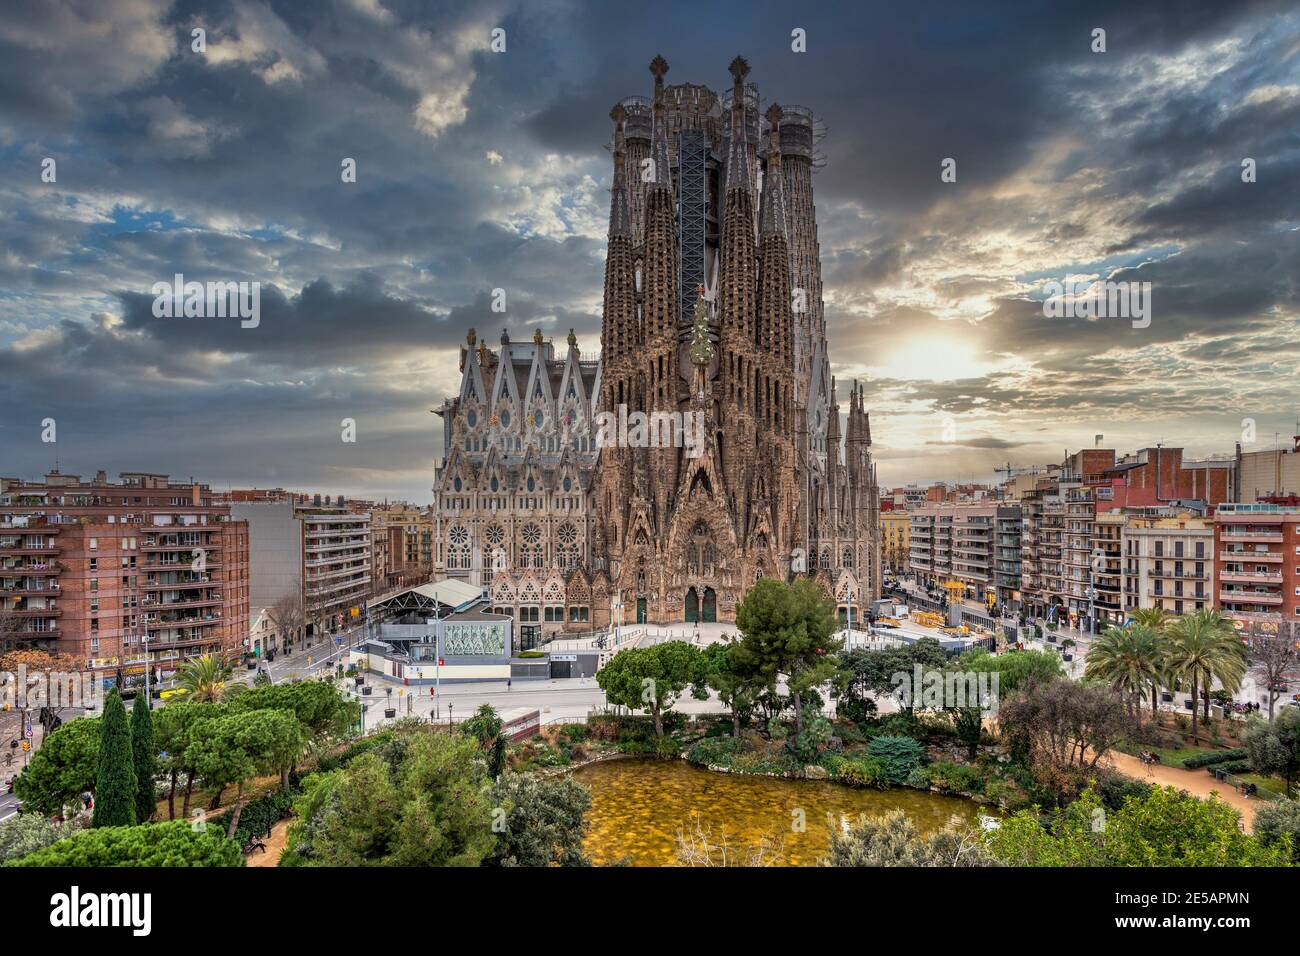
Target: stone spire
[773, 215]
[620, 218]
[662, 170]
[618, 328]
[738, 155]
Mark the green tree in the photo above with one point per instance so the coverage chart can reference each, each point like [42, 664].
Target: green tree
[651, 678]
[1161, 624]
[1205, 647]
[239, 746]
[893, 840]
[28, 832]
[430, 808]
[1128, 659]
[177, 727]
[65, 767]
[1168, 827]
[207, 678]
[144, 756]
[115, 783]
[320, 707]
[866, 674]
[736, 689]
[1277, 823]
[152, 844]
[787, 635]
[542, 821]
[1007, 673]
[485, 727]
[1273, 746]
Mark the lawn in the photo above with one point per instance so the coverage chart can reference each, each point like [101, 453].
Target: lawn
[1169, 756]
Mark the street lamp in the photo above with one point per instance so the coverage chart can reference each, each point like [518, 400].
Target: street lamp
[148, 696]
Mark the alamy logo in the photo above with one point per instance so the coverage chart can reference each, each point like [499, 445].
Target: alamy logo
[655, 430]
[208, 300]
[75, 909]
[57, 689]
[1100, 300]
[929, 689]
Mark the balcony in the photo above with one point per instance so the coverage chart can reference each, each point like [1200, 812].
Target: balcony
[1266, 537]
[1250, 597]
[1252, 577]
[1272, 557]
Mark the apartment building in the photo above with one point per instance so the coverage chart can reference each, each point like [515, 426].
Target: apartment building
[94, 569]
[1168, 561]
[975, 545]
[895, 540]
[314, 549]
[407, 531]
[1257, 562]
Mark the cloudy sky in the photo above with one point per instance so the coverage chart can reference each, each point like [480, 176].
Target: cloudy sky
[479, 170]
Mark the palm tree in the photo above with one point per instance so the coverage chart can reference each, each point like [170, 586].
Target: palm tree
[1161, 625]
[205, 678]
[1205, 648]
[1127, 658]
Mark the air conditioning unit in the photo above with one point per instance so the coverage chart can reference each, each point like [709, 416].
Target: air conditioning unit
[366, 689]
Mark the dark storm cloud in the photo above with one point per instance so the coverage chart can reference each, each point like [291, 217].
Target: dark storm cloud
[479, 171]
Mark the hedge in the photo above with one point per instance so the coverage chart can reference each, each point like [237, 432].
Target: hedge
[1197, 761]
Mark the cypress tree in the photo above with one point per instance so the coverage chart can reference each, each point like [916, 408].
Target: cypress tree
[144, 758]
[115, 784]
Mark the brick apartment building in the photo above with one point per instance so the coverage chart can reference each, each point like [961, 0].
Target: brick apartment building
[92, 568]
[1257, 562]
[1084, 512]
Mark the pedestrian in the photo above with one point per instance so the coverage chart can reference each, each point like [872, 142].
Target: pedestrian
[508, 682]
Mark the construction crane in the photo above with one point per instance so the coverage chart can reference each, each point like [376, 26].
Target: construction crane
[1011, 471]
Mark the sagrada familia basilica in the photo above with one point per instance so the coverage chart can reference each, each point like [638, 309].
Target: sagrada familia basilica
[714, 326]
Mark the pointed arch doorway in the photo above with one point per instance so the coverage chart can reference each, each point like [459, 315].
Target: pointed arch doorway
[692, 605]
[709, 613]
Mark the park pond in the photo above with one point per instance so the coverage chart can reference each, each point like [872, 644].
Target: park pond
[639, 805]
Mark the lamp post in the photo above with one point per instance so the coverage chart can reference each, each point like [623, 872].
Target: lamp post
[148, 696]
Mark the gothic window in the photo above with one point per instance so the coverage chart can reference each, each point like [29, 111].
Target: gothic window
[826, 558]
[495, 534]
[693, 558]
[568, 536]
[458, 558]
[472, 418]
[847, 558]
[532, 550]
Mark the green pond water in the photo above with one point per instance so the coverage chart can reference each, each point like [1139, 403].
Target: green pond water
[638, 807]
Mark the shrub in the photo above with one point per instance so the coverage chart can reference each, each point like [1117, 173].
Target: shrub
[1278, 821]
[863, 772]
[899, 755]
[574, 732]
[961, 778]
[1231, 766]
[715, 751]
[151, 844]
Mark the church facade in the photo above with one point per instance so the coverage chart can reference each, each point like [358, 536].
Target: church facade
[740, 462]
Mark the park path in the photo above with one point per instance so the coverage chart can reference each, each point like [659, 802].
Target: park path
[274, 846]
[1196, 782]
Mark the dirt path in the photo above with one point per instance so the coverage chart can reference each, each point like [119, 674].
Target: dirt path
[1196, 782]
[274, 847]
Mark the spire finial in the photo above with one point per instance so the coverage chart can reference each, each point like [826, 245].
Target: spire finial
[659, 67]
[573, 340]
[505, 336]
[537, 336]
[739, 70]
[471, 339]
